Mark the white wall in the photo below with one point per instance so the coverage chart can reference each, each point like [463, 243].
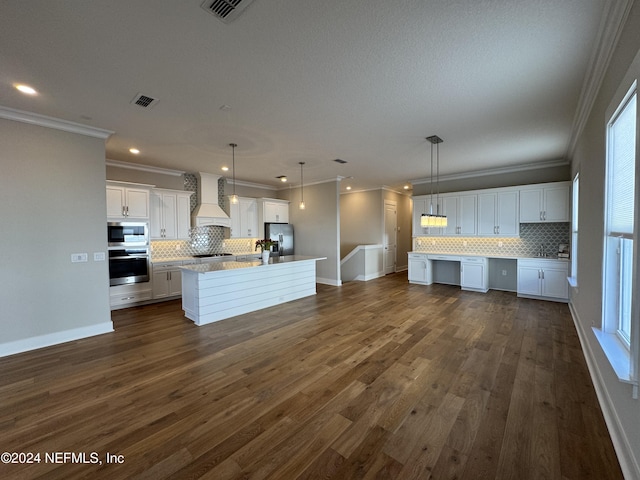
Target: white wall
[317, 228]
[52, 204]
[621, 410]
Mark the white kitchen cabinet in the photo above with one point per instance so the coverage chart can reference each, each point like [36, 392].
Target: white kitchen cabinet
[271, 210]
[127, 201]
[170, 214]
[276, 211]
[547, 202]
[498, 214]
[419, 269]
[167, 280]
[543, 278]
[121, 296]
[474, 274]
[244, 218]
[461, 211]
[422, 204]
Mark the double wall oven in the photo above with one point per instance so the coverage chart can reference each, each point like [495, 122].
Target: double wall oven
[128, 244]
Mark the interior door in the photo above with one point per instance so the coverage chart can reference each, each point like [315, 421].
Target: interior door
[389, 242]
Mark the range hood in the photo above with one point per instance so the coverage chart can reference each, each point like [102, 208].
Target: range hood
[208, 212]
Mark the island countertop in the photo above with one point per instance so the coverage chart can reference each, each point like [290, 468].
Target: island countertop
[221, 266]
[219, 290]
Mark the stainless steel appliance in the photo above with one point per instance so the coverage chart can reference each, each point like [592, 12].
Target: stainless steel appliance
[128, 265]
[127, 234]
[282, 234]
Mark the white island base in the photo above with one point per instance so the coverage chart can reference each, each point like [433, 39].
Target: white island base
[219, 290]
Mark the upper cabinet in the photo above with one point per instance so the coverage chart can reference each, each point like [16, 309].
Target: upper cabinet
[498, 214]
[548, 202]
[170, 214]
[276, 211]
[127, 201]
[244, 218]
[461, 211]
[422, 204]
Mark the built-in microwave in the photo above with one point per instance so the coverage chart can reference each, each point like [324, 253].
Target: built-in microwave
[127, 234]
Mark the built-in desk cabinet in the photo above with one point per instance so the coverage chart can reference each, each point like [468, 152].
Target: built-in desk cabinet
[419, 269]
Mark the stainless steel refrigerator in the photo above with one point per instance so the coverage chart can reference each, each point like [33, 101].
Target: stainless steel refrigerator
[282, 233]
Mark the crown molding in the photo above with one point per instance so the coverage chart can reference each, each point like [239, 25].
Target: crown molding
[611, 25]
[241, 183]
[496, 171]
[54, 123]
[143, 168]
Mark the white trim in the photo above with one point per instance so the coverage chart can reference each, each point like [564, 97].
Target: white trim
[628, 463]
[371, 276]
[329, 281]
[496, 171]
[143, 168]
[49, 339]
[611, 26]
[51, 122]
[251, 184]
[357, 249]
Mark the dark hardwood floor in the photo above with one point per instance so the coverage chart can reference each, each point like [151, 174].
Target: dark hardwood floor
[370, 380]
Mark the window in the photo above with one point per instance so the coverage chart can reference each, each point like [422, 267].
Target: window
[574, 231]
[619, 220]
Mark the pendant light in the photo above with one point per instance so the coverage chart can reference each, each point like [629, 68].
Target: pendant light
[302, 206]
[434, 219]
[234, 197]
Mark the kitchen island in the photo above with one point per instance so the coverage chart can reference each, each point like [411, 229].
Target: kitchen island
[219, 290]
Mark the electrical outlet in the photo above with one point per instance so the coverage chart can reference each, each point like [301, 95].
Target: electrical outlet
[464, 244]
[504, 273]
[79, 257]
[98, 256]
[178, 247]
[500, 244]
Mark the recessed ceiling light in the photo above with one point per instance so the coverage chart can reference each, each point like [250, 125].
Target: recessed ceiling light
[349, 187]
[338, 160]
[225, 169]
[283, 178]
[406, 187]
[26, 89]
[135, 151]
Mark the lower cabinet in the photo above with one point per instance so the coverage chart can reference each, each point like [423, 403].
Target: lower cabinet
[474, 274]
[167, 280]
[543, 278]
[121, 296]
[419, 269]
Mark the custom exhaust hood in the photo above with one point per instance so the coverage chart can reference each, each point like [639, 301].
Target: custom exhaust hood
[208, 212]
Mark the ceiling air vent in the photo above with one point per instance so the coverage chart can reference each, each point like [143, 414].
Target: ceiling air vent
[225, 10]
[144, 101]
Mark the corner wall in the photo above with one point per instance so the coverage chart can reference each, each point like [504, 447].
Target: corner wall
[621, 411]
[53, 204]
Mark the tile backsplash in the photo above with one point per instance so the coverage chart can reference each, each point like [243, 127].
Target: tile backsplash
[532, 235]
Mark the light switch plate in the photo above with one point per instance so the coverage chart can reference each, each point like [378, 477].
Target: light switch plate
[79, 257]
[98, 256]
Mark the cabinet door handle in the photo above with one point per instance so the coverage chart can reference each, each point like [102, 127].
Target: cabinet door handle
[541, 218]
[544, 215]
[542, 271]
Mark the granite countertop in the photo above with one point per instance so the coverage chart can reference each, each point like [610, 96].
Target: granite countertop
[234, 265]
[489, 255]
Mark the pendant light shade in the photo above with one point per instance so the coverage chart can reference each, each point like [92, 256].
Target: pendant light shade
[432, 219]
[234, 197]
[302, 205]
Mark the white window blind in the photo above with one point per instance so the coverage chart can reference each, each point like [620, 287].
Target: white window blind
[622, 148]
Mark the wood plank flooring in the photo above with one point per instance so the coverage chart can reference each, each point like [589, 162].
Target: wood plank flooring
[374, 380]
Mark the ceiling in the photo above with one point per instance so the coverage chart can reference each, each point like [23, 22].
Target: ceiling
[309, 81]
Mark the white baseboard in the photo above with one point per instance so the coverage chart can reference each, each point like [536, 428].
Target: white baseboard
[371, 276]
[41, 341]
[628, 463]
[329, 281]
